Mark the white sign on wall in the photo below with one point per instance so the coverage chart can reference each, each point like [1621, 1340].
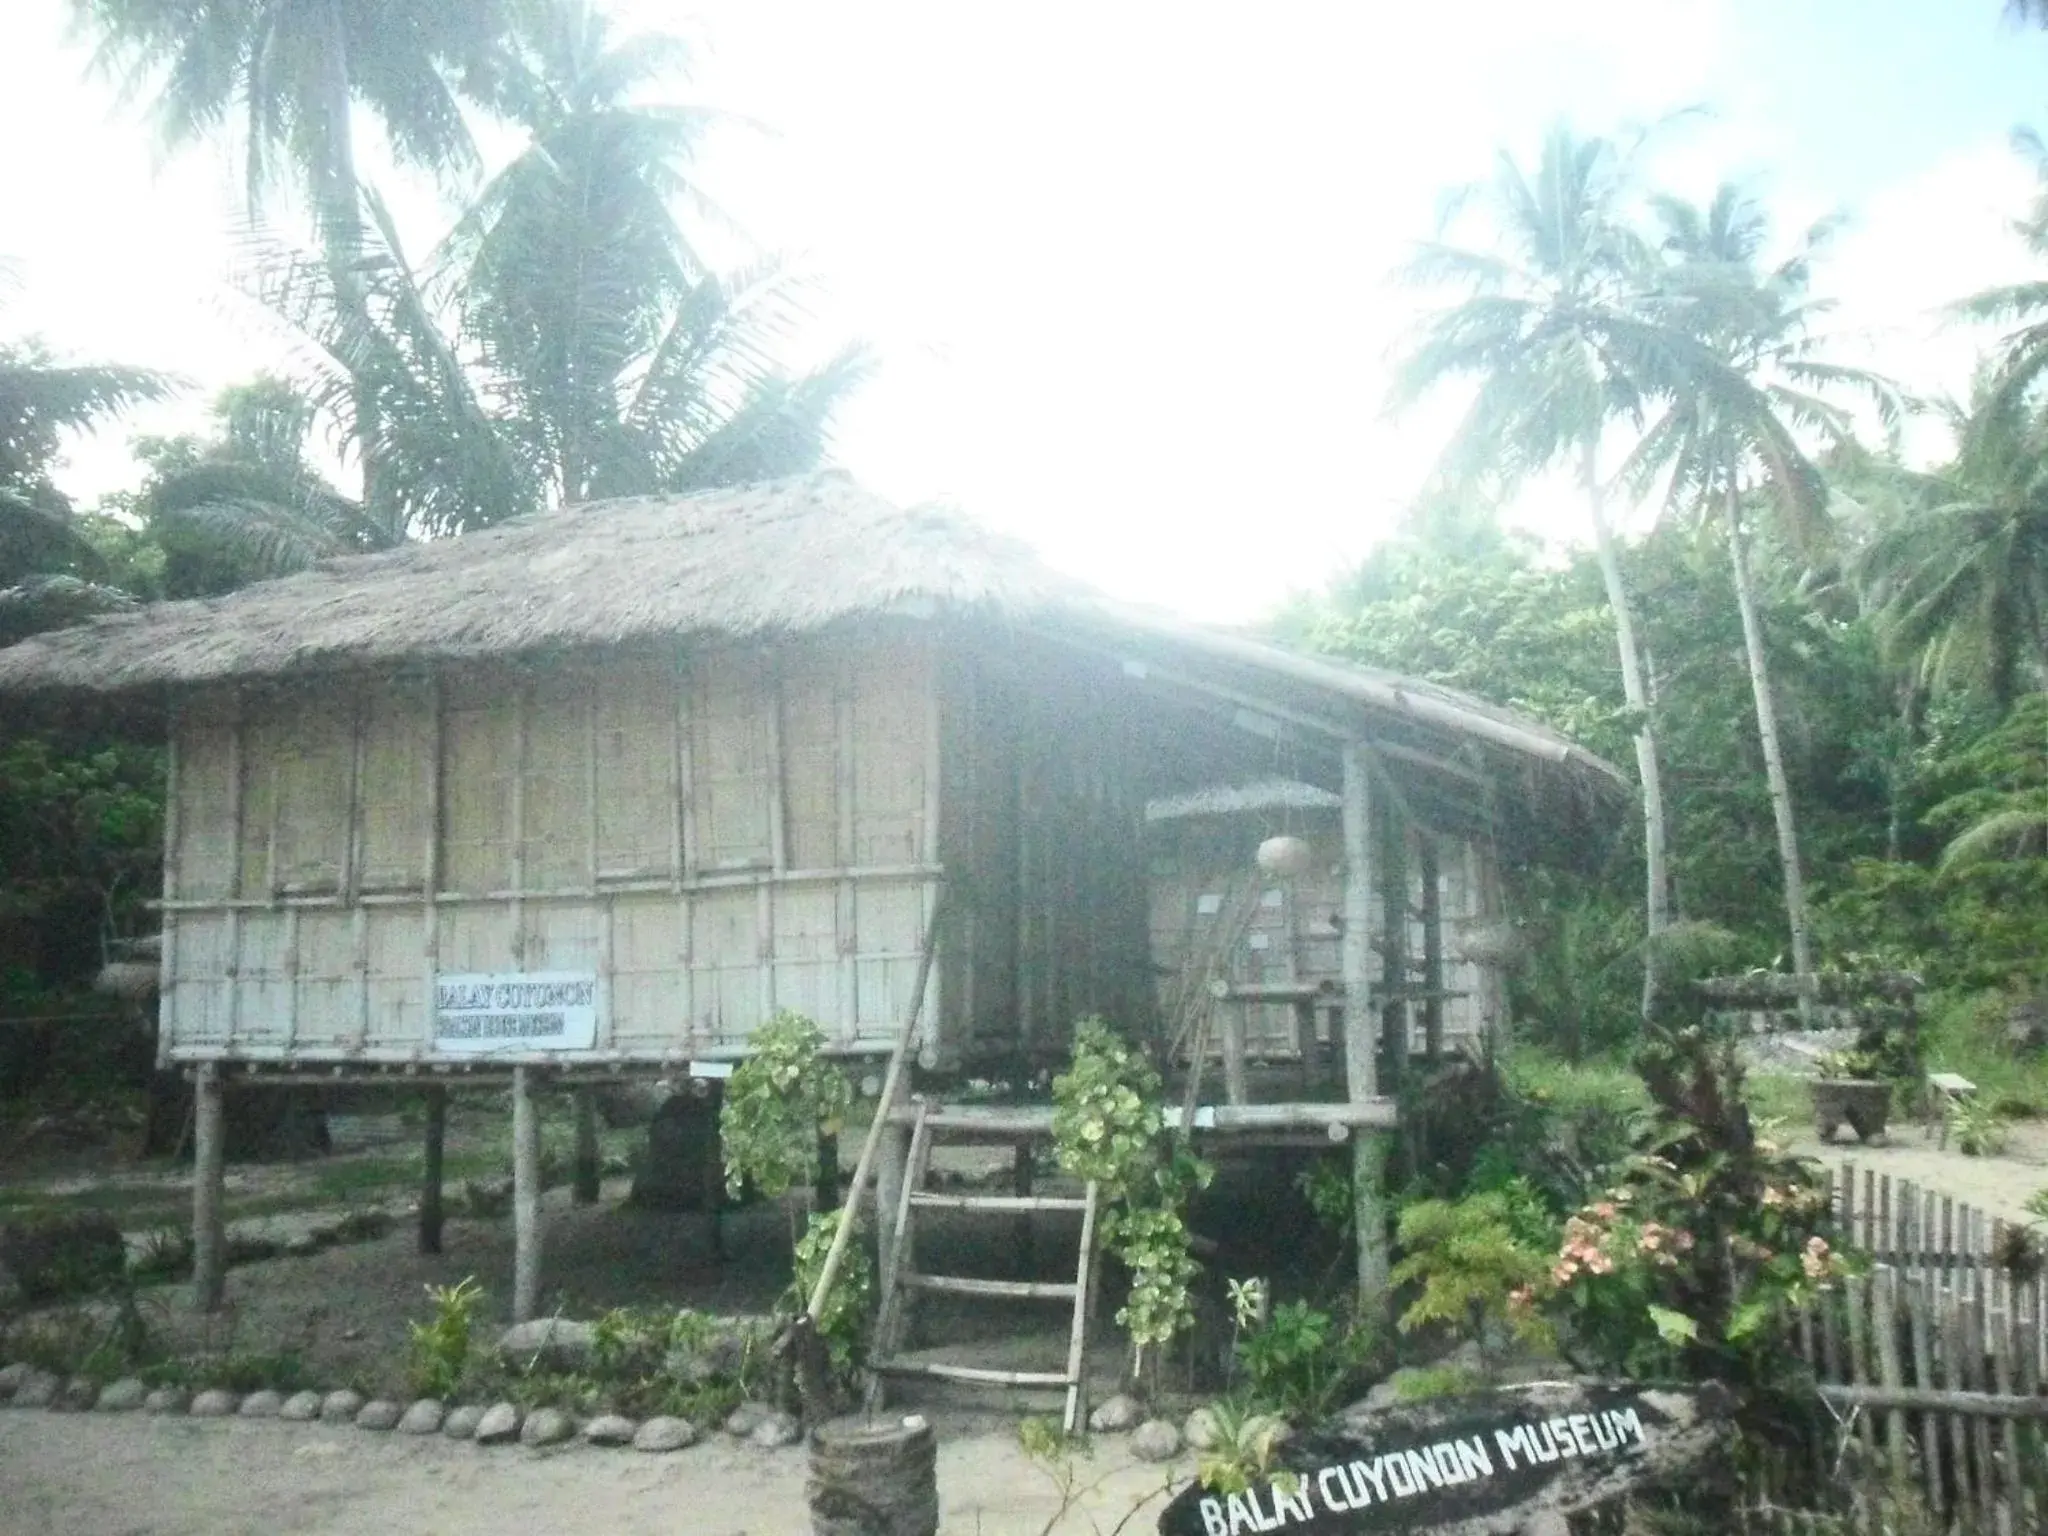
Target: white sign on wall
[527, 1011]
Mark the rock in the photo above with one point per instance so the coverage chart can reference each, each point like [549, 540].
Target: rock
[745, 1419]
[261, 1405]
[167, 1400]
[1201, 1432]
[123, 1396]
[38, 1389]
[775, 1431]
[609, 1429]
[1118, 1414]
[546, 1426]
[215, 1403]
[340, 1406]
[11, 1378]
[664, 1434]
[77, 1395]
[499, 1424]
[302, 1245]
[552, 1343]
[424, 1417]
[461, 1422]
[300, 1408]
[1155, 1440]
[379, 1413]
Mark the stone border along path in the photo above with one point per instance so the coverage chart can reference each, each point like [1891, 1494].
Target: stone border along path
[25, 1386]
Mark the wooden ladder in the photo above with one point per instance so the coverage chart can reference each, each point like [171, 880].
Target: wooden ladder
[902, 1280]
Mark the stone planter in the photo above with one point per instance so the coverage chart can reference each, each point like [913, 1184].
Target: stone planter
[1859, 1103]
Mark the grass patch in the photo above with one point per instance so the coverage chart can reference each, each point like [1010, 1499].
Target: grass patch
[1968, 1035]
[1600, 1082]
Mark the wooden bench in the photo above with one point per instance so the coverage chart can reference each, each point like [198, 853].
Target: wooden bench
[1944, 1089]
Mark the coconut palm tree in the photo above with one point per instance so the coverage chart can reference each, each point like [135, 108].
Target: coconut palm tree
[1959, 580]
[1729, 432]
[291, 75]
[1546, 332]
[250, 501]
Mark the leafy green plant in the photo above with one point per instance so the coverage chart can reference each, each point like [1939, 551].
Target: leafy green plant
[777, 1104]
[843, 1321]
[438, 1350]
[1326, 1185]
[1478, 1274]
[1243, 1444]
[1108, 1127]
[1299, 1360]
[1975, 1126]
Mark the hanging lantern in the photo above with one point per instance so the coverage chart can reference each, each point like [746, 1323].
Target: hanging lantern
[1286, 857]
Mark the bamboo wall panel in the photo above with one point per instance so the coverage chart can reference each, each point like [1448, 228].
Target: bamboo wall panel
[395, 1014]
[555, 786]
[325, 998]
[479, 770]
[725, 973]
[263, 978]
[476, 939]
[651, 983]
[810, 759]
[308, 827]
[196, 1009]
[263, 743]
[731, 739]
[634, 726]
[889, 917]
[395, 793]
[890, 723]
[561, 936]
[806, 950]
[203, 860]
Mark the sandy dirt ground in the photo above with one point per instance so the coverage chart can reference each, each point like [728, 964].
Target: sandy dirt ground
[136, 1476]
[1999, 1185]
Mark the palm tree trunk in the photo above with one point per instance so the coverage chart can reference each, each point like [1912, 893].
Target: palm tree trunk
[1774, 758]
[340, 213]
[1657, 903]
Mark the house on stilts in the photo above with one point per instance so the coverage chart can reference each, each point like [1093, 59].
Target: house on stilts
[590, 795]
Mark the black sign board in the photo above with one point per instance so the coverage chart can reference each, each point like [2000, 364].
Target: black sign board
[1492, 1461]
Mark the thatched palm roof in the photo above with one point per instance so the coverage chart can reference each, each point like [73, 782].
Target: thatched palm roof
[783, 557]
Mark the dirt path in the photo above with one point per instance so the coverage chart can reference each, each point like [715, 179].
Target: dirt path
[1999, 1185]
[135, 1476]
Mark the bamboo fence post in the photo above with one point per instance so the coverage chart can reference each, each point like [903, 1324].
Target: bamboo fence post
[1856, 1304]
[2008, 1429]
[2029, 1352]
[1950, 1322]
[1971, 1320]
[1890, 1368]
[1923, 1373]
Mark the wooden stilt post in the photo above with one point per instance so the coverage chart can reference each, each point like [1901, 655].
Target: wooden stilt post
[1361, 1034]
[1432, 952]
[1023, 1175]
[525, 1198]
[209, 1154]
[436, 1100]
[588, 1166]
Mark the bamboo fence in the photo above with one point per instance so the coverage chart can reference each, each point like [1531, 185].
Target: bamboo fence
[1931, 1366]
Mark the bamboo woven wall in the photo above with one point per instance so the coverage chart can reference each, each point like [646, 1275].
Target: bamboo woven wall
[715, 836]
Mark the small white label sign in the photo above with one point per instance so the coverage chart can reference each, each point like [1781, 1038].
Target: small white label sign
[524, 1011]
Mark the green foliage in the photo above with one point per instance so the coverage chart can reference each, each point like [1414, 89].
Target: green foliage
[846, 1316]
[1475, 1270]
[778, 1102]
[438, 1350]
[1975, 1126]
[1243, 1450]
[1326, 1185]
[1299, 1361]
[1108, 1127]
[1424, 1384]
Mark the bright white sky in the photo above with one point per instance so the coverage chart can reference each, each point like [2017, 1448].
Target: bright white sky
[1124, 265]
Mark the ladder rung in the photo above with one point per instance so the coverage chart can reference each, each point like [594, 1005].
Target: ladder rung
[1010, 1203]
[963, 1285]
[945, 1372]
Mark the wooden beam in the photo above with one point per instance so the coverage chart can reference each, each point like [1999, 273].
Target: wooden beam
[209, 1149]
[1361, 1037]
[1394, 977]
[1432, 951]
[526, 1229]
[435, 1100]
